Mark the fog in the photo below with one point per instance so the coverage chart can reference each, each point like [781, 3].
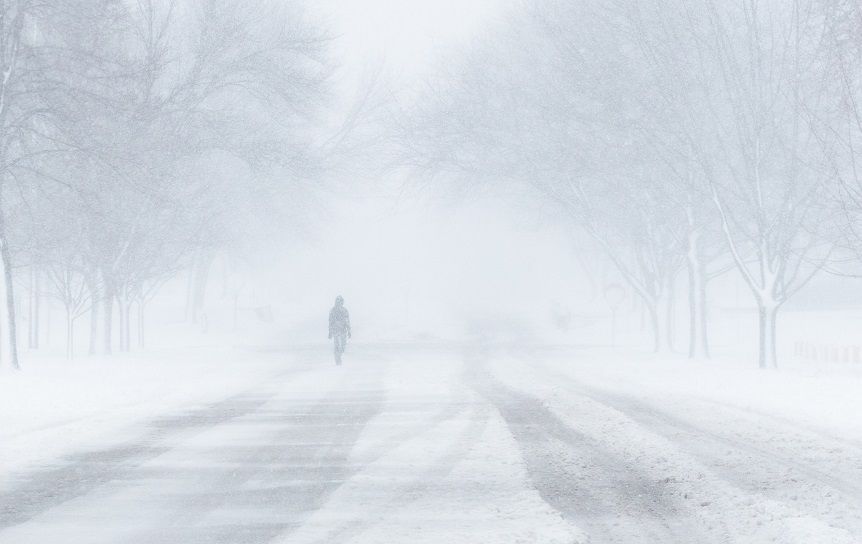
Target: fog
[372, 271]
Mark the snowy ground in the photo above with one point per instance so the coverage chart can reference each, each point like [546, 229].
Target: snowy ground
[56, 406]
[453, 445]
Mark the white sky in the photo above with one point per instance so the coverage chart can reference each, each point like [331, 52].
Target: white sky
[406, 266]
[406, 34]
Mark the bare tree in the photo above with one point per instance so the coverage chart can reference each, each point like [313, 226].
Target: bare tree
[120, 117]
[673, 132]
[663, 35]
[20, 108]
[70, 288]
[765, 183]
[538, 105]
[837, 124]
[184, 89]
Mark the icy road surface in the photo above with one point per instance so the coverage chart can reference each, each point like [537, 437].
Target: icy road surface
[452, 446]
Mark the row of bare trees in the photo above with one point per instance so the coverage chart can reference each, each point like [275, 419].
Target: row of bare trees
[682, 136]
[135, 136]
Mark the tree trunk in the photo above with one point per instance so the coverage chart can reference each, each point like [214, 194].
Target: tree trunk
[767, 315]
[121, 324]
[94, 317]
[693, 313]
[642, 317]
[196, 284]
[127, 325]
[70, 334]
[655, 322]
[235, 310]
[190, 287]
[107, 317]
[35, 302]
[10, 296]
[141, 323]
[704, 314]
[670, 316]
[202, 271]
[123, 313]
[697, 344]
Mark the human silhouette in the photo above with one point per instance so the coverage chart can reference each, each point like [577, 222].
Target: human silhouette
[339, 327]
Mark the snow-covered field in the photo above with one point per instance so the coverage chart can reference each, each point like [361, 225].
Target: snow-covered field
[449, 444]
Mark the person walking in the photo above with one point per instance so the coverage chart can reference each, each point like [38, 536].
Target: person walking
[339, 327]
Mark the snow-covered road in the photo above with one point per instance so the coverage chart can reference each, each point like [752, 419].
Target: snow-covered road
[449, 445]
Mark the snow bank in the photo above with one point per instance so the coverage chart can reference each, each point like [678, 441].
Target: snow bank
[823, 397]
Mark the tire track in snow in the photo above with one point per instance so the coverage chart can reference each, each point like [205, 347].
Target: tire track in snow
[280, 483]
[447, 412]
[90, 475]
[456, 404]
[830, 492]
[826, 486]
[38, 491]
[611, 500]
[411, 491]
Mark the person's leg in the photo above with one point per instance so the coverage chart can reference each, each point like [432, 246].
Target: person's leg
[339, 347]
